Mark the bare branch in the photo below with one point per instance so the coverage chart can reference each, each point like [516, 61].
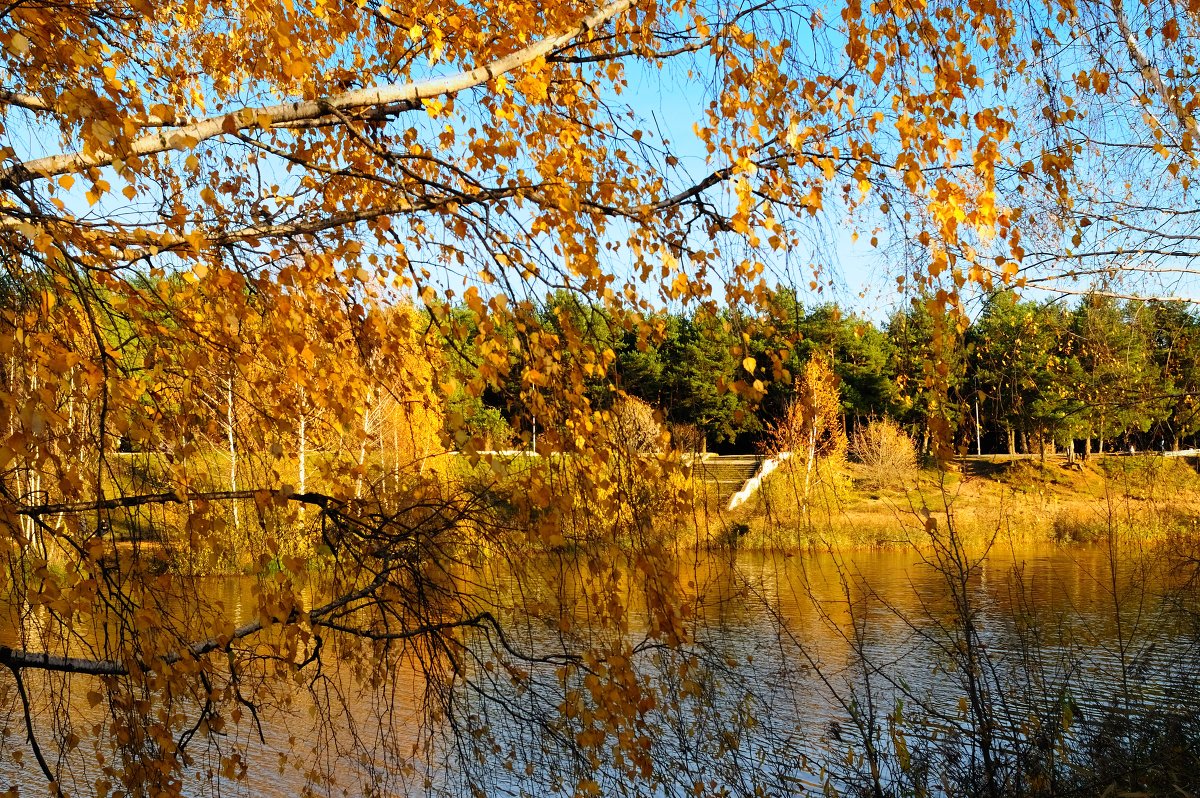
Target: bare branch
[170, 497]
[30, 734]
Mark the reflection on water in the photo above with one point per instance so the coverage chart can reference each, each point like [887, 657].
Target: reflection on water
[794, 671]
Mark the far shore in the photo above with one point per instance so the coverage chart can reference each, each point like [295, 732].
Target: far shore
[1023, 498]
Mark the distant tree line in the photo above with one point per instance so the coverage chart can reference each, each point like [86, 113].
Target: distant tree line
[1024, 376]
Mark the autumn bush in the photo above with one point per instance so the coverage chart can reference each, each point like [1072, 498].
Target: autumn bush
[687, 438]
[634, 426]
[647, 498]
[1077, 525]
[885, 451]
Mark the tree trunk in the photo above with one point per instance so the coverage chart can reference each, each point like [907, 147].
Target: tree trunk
[1012, 441]
[229, 427]
[396, 455]
[302, 453]
[26, 480]
[383, 461]
[362, 449]
[812, 461]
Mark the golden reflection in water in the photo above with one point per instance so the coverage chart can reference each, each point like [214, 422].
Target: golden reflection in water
[818, 625]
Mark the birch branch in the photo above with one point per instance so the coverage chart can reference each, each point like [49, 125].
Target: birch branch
[399, 97]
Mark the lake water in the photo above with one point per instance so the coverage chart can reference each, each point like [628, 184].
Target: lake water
[795, 672]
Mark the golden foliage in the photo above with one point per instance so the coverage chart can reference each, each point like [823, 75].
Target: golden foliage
[811, 426]
[635, 427]
[811, 433]
[233, 234]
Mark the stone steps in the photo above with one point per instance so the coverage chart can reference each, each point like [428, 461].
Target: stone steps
[728, 473]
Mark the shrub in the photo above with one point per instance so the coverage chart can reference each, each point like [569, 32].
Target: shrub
[635, 427]
[885, 451]
[687, 438]
[1074, 525]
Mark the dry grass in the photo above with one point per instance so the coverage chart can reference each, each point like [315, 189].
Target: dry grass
[1023, 502]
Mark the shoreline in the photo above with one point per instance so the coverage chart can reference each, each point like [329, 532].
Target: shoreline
[1146, 497]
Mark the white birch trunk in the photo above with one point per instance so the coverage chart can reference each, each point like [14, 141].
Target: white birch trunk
[383, 469]
[302, 457]
[302, 452]
[229, 428]
[812, 461]
[395, 450]
[362, 448]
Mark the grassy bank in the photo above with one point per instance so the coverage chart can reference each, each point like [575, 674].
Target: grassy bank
[1024, 501]
[839, 504]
